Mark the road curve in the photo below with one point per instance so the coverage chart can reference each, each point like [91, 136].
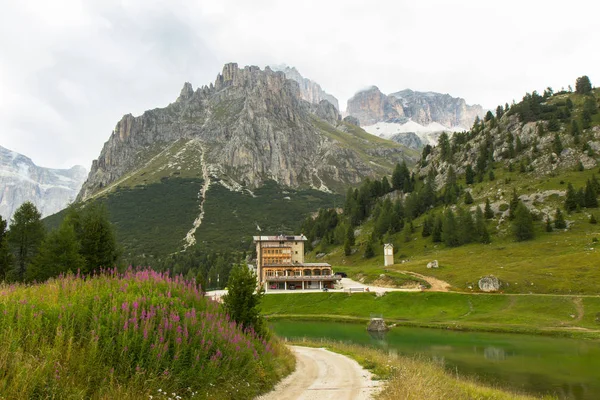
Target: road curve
[323, 375]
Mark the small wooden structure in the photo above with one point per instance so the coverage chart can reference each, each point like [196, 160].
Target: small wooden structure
[388, 254]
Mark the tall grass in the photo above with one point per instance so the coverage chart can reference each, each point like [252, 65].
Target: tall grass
[127, 336]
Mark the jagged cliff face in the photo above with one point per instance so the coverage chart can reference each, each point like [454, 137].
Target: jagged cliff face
[51, 190]
[309, 90]
[371, 106]
[249, 127]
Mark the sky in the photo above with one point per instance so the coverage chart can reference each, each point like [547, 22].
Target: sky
[70, 69]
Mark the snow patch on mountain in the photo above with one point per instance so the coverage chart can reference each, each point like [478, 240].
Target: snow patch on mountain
[427, 133]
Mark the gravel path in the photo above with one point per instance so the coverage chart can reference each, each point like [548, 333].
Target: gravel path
[323, 375]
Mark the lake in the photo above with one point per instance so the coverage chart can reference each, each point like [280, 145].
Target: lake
[567, 368]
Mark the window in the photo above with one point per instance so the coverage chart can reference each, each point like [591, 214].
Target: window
[296, 252]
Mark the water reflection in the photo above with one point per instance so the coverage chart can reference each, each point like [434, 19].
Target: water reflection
[569, 369]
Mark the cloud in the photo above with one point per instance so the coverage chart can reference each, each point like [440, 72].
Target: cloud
[70, 69]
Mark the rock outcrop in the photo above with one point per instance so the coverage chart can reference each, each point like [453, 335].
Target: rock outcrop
[50, 190]
[408, 139]
[433, 264]
[309, 90]
[489, 284]
[377, 325]
[251, 126]
[371, 106]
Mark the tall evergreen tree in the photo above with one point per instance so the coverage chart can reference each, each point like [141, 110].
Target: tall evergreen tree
[5, 254]
[369, 251]
[468, 197]
[469, 175]
[242, 301]
[25, 236]
[385, 185]
[571, 200]
[590, 196]
[512, 206]
[499, 112]
[428, 223]
[450, 234]
[583, 85]
[559, 220]
[523, 223]
[489, 213]
[436, 233]
[466, 226]
[451, 189]
[59, 253]
[481, 233]
[445, 148]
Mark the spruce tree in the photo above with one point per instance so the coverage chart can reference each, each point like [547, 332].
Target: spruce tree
[58, 253]
[523, 223]
[465, 226]
[469, 175]
[436, 233]
[514, 202]
[559, 220]
[481, 233]
[488, 213]
[369, 251]
[428, 223]
[590, 195]
[5, 254]
[557, 146]
[347, 248]
[468, 198]
[385, 185]
[407, 232]
[450, 234]
[25, 236]
[350, 235]
[242, 301]
[583, 85]
[571, 200]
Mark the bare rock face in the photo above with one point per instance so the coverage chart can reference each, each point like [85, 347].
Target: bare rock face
[50, 190]
[371, 106]
[352, 120]
[408, 139]
[309, 90]
[250, 126]
[489, 284]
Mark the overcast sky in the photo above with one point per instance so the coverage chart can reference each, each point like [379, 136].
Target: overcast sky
[69, 69]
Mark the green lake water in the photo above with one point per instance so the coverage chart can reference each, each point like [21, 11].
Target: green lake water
[567, 368]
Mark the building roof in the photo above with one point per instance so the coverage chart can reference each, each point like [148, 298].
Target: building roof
[279, 238]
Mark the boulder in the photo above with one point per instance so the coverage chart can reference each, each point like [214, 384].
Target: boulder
[377, 325]
[489, 284]
[433, 264]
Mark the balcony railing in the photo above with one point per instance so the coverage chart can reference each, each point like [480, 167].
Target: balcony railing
[303, 278]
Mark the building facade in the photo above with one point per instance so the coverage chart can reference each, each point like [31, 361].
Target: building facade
[388, 254]
[280, 265]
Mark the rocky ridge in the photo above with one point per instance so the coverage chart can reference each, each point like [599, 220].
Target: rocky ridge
[250, 126]
[371, 106]
[309, 90]
[51, 190]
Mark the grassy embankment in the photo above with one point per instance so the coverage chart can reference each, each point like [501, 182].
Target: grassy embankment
[568, 316]
[414, 378]
[128, 336]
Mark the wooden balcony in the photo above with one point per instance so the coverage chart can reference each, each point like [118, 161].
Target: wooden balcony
[303, 278]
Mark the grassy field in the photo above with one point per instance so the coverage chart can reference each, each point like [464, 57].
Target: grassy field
[128, 336]
[413, 378]
[540, 314]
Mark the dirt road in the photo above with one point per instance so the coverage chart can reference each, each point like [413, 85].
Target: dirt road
[323, 375]
[437, 285]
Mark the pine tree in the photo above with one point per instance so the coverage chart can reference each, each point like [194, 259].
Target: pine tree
[58, 253]
[559, 220]
[450, 234]
[489, 116]
[445, 148]
[468, 198]
[428, 223]
[469, 175]
[436, 234]
[523, 223]
[571, 200]
[5, 254]
[451, 189]
[350, 235]
[590, 196]
[385, 185]
[519, 147]
[499, 112]
[242, 301]
[583, 85]
[25, 236]
[488, 213]
[466, 226]
[557, 146]
[407, 232]
[347, 248]
[514, 202]
[481, 233]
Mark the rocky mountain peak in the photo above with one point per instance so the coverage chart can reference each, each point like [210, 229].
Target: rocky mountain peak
[309, 90]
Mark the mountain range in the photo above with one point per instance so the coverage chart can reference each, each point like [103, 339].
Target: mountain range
[243, 154]
[425, 114]
[49, 189]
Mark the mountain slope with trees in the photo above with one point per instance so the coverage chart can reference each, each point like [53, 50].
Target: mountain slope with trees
[515, 197]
